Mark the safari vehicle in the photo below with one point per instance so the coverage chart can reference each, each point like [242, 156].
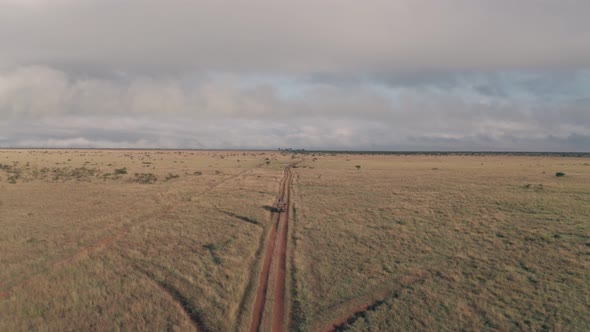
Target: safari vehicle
[281, 205]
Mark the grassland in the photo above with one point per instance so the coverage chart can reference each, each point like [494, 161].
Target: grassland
[84, 248]
[442, 242]
[174, 240]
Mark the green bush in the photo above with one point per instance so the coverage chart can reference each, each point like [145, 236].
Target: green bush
[121, 170]
[560, 174]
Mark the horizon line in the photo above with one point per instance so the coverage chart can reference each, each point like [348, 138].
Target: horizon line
[301, 150]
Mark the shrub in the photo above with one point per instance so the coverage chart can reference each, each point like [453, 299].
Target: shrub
[172, 176]
[560, 174]
[212, 248]
[81, 172]
[358, 166]
[121, 170]
[145, 178]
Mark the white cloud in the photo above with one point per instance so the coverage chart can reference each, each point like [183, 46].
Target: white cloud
[40, 106]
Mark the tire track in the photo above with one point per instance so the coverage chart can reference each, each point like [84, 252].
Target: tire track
[344, 322]
[105, 243]
[191, 312]
[102, 244]
[278, 228]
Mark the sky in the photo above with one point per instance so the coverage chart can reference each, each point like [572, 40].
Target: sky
[489, 75]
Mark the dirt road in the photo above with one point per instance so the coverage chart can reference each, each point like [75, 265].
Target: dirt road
[278, 238]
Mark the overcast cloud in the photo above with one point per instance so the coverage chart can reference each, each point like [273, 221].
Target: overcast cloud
[332, 74]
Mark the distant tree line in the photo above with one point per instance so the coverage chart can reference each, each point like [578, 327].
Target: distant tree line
[441, 153]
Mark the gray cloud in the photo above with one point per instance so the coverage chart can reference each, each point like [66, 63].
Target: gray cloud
[443, 75]
[304, 36]
[47, 107]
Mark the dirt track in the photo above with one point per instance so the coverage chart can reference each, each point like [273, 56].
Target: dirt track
[107, 242]
[280, 228]
[104, 243]
[341, 323]
[279, 303]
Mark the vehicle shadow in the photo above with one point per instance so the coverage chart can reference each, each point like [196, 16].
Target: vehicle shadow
[270, 208]
[246, 219]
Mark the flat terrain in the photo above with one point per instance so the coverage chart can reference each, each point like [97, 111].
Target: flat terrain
[172, 244]
[442, 242]
[179, 240]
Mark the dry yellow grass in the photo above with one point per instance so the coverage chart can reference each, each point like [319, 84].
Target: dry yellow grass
[434, 242]
[443, 242]
[83, 250]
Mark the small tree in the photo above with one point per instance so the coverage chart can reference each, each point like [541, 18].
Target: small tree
[358, 166]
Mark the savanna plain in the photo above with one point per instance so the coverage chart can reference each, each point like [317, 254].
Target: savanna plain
[180, 240]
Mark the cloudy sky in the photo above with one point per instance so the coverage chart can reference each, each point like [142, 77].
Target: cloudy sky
[314, 74]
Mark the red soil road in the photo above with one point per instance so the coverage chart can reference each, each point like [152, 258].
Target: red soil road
[278, 311]
[279, 301]
[263, 279]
